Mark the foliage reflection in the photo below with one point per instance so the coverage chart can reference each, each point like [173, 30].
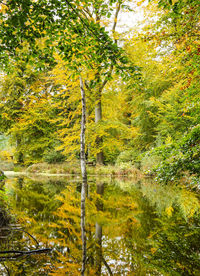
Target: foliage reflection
[132, 229]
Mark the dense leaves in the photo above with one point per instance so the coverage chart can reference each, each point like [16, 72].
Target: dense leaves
[64, 26]
[45, 44]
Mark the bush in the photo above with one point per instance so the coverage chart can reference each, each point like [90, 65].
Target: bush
[54, 156]
[6, 155]
[128, 156]
[149, 161]
[110, 156]
[180, 157]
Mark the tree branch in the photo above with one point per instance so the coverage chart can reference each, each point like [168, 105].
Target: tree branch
[18, 253]
[7, 270]
[107, 266]
[82, 20]
[43, 250]
[88, 12]
[106, 79]
[16, 229]
[118, 7]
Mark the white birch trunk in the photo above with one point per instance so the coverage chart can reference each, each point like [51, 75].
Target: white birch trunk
[98, 117]
[84, 178]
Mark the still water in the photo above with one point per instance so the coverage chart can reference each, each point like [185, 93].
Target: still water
[133, 227]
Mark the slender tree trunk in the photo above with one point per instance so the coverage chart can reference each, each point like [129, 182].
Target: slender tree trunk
[84, 178]
[98, 232]
[98, 117]
[98, 108]
[20, 156]
[98, 259]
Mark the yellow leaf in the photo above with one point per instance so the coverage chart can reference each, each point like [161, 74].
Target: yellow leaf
[169, 210]
[153, 250]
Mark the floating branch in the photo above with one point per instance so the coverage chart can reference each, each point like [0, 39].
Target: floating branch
[18, 253]
[17, 229]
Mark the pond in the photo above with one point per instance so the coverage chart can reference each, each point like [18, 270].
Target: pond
[134, 227]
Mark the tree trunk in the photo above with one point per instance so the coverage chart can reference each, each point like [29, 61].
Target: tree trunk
[98, 259]
[19, 155]
[98, 117]
[84, 178]
[98, 232]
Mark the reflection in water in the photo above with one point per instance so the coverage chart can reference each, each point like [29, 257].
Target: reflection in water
[98, 232]
[131, 229]
[15, 243]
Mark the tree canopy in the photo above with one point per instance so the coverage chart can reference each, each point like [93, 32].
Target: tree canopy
[142, 96]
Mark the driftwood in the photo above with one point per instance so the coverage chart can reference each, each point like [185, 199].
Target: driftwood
[13, 254]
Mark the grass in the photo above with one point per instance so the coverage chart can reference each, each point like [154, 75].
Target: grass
[63, 168]
[6, 166]
[74, 169]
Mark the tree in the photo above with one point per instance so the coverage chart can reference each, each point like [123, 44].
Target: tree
[15, 87]
[73, 29]
[157, 75]
[26, 110]
[175, 109]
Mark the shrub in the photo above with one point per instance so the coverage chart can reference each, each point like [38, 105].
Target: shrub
[128, 156]
[180, 157]
[6, 155]
[149, 161]
[54, 156]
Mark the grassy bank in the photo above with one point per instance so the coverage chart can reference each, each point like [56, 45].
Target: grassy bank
[74, 169]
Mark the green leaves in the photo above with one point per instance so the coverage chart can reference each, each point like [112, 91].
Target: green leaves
[64, 27]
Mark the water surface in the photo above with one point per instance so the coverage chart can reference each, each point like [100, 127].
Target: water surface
[133, 227]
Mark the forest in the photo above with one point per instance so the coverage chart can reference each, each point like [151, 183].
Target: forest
[142, 97]
[106, 88]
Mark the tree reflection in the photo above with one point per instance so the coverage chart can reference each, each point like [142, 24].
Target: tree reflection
[98, 232]
[131, 229]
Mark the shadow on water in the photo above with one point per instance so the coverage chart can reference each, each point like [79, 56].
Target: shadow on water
[132, 228]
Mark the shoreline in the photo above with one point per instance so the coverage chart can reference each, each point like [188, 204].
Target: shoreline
[12, 173]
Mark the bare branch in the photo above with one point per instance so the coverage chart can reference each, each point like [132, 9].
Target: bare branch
[118, 7]
[16, 229]
[18, 253]
[107, 266]
[88, 12]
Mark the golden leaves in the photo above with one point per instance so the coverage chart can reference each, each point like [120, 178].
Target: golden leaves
[153, 250]
[3, 7]
[169, 210]
[189, 203]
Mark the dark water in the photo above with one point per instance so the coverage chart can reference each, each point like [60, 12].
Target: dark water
[133, 228]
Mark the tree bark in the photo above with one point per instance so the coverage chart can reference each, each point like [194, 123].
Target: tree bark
[98, 117]
[20, 156]
[84, 178]
[98, 107]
